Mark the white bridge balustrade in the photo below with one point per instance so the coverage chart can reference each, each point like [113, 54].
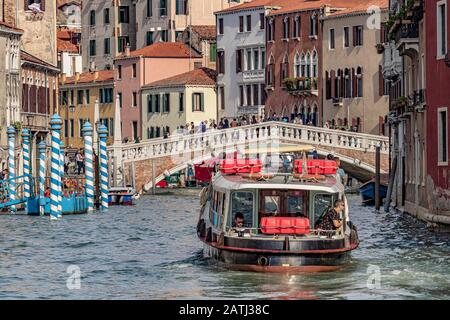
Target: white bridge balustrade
[355, 148]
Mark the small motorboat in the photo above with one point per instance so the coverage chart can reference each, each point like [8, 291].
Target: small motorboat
[122, 196]
[367, 191]
[280, 213]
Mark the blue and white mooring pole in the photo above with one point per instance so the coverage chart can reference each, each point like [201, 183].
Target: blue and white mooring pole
[89, 168]
[42, 147]
[55, 176]
[61, 172]
[103, 134]
[11, 166]
[26, 163]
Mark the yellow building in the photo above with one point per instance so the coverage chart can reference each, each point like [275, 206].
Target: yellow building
[176, 101]
[78, 98]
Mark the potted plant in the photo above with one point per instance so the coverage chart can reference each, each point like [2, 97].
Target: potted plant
[380, 48]
[289, 84]
[17, 126]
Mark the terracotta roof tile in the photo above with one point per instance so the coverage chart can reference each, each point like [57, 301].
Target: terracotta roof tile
[87, 77]
[66, 46]
[257, 4]
[202, 76]
[164, 50]
[25, 56]
[205, 32]
[344, 6]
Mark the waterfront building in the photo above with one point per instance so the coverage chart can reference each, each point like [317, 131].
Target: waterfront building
[108, 27]
[69, 36]
[437, 55]
[353, 91]
[10, 90]
[241, 57]
[294, 53]
[172, 103]
[405, 71]
[80, 95]
[203, 40]
[135, 69]
[165, 20]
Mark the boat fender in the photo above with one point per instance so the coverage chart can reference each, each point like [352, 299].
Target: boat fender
[263, 261]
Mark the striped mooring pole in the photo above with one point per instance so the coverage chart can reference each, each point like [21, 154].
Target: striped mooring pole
[42, 149]
[103, 134]
[55, 175]
[11, 166]
[61, 172]
[26, 163]
[89, 168]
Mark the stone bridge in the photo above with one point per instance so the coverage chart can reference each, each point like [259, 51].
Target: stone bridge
[138, 162]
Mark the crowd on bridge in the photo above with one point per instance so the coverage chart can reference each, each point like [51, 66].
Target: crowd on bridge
[225, 123]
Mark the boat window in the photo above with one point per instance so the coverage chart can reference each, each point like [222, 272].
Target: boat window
[296, 204]
[242, 201]
[272, 205]
[322, 203]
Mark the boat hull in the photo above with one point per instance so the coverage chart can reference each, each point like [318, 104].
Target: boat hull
[70, 205]
[367, 192]
[272, 256]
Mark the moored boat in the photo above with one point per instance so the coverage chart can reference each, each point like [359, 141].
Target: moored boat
[367, 191]
[122, 196]
[280, 212]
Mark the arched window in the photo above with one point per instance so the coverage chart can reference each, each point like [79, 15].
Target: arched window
[270, 71]
[313, 25]
[297, 27]
[297, 66]
[359, 82]
[286, 28]
[314, 64]
[303, 66]
[308, 65]
[347, 83]
[285, 67]
[271, 31]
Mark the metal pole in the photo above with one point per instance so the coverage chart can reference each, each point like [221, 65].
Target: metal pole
[377, 178]
[89, 168]
[103, 135]
[11, 166]
[55, 185]
[42, 149]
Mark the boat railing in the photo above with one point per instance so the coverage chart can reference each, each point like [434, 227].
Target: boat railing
[70, 185]
[318, 232]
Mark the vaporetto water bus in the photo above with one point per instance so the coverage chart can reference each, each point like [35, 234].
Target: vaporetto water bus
[280, 211]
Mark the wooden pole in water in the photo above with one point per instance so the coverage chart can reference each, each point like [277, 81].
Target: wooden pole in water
[377, 178]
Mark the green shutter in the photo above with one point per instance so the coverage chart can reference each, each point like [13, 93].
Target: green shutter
[202, 101]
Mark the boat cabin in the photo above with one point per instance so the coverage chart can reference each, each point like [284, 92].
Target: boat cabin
[280, 205]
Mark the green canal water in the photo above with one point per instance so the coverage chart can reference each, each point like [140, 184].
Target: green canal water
[150, 251]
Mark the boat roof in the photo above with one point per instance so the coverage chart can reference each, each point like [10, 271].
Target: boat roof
[278, 148]
[237, 182]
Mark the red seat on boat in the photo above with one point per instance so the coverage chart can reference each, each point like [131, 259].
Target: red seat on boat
[233, 166]
[284, 225]
[316, 166]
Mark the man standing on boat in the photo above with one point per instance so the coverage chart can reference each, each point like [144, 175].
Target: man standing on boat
[332, 219]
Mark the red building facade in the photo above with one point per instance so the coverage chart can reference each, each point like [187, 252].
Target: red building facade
[437, 15]
[293, 37]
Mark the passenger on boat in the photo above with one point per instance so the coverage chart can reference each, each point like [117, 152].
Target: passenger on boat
[47, 192]
[238, 220]
[332, 219]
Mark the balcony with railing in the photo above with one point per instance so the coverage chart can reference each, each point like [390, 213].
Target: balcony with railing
[301, 86]
[408, 104]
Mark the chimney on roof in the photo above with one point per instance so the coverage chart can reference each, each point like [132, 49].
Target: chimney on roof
[127, 50]
[62, 78]
[77, 76]
[95, 75]
[92, 66]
